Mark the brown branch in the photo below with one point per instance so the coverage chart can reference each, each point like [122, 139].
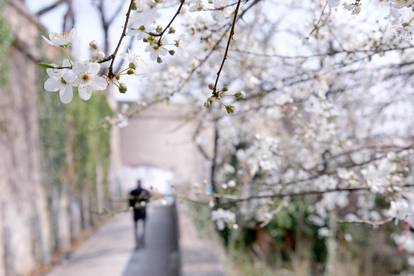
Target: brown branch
[160, 34]
[199, 146]
[107, 22]
[51, 7]
[369, 222]
[216, 45]
[116, 13]
[234, 199]
[113, 56]
[104, 24]
[233, 25]
[69, 17]
[318, 24]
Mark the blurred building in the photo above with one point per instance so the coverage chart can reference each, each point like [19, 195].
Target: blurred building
[162, 136]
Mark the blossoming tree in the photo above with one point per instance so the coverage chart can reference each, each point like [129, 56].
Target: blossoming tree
[308, 99]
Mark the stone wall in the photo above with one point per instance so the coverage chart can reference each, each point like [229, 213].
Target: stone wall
[47, 198]
[24, 231]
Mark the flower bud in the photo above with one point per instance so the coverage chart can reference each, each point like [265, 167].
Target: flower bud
[122, 88]
[100, 55]
[239, 95]
[229, 109]
[132, 66]
[134, 5]
[93, 44]
[209, 102]
[131, 71]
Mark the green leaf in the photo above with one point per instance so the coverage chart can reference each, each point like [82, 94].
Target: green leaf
[46, 65]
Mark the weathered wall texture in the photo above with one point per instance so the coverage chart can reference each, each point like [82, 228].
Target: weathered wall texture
[47, 198]
[24, 231]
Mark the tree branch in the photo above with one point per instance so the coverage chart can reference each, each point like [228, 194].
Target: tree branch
[160, 34]
[110, 72]
[51, 7]
[233, 25]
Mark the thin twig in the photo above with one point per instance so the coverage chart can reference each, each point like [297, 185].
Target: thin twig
[113, 56]
[318, 25]
[235, 199]
[50, 7]
[233, 25]
[160, 34]
[369, 222]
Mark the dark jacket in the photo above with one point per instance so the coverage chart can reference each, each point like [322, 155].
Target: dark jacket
[138, 200]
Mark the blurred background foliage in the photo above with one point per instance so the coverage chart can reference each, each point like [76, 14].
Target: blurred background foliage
[75, 142]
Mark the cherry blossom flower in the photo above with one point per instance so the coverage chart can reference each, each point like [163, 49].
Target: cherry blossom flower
[223, 217]
[403, 210]
[355, 8]
[196, 5]
[61, 40]
[87, 79]
[141, 21]
[156, 51]
[132, 59]
[61, 80]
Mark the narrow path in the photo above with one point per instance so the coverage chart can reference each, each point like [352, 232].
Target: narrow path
[160, 256]
[110, 251]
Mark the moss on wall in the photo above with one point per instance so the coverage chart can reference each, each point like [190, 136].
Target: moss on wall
[75, 144]
[74, 141]
[6, 40]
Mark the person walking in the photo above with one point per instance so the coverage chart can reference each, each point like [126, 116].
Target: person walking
[138, 200]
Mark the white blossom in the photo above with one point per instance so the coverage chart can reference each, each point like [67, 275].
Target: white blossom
[87, 79]
[61, 40]
[61, 80]
[132, 59]
[222, 217]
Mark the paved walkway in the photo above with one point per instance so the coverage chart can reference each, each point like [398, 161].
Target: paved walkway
[110, 251]
[200, 256]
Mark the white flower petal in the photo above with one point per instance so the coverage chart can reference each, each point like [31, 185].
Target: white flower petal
[162, 51]
[69, 76]
[93, 68]
[154, 55]
[99, 83]
[66, 94]
[71, 34]
[52, 85]
[66, 63]
[80, 68]
[54, 73]
[85, 92]
[48, 41]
